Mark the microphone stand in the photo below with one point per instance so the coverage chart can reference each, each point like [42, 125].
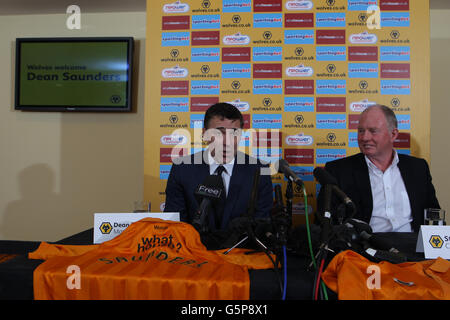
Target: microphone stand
[325, 220]
[250, 233]
[289, 196]
[250, 219]
[199, 221]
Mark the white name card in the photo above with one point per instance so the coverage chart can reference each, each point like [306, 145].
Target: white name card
[434, 241]
[107, 226]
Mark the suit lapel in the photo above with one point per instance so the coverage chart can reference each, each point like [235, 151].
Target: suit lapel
[408, 179]
[362, 181]
[203, 172]
[234, 189]
[200, 173]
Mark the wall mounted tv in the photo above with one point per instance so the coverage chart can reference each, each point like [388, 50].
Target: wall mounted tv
[74, 74]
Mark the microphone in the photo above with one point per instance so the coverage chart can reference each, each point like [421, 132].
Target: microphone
[383, 255]
[278, 196]
[209, 191]
[360, 226]
[325, 219]
[254, 193]
[281, 219]
[379, 248]
[325, 178]
[283, 167]
[379, 243]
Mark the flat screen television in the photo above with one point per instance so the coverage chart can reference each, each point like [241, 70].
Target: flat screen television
[74, 74]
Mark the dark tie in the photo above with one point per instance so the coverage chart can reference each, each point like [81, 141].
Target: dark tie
[220, 206]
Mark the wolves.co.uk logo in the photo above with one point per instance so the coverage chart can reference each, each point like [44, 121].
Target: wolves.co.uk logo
[436, 241]
[106, 228]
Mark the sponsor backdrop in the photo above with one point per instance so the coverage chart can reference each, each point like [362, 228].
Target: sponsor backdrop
[300, 71]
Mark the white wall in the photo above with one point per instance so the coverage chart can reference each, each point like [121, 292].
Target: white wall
[57, 169]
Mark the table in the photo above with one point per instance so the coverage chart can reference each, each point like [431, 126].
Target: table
[16, 274]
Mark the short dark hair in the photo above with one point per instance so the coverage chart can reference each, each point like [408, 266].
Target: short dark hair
[223, 110]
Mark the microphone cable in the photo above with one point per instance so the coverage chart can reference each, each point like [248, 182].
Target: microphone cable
[285, 273]
[275, 268]
[308, 233]
[317, 277]
[318, 274]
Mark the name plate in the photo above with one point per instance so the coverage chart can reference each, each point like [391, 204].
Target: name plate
[434, 241]
[107, 226]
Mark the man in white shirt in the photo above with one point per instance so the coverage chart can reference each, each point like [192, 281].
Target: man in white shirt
[390, 190]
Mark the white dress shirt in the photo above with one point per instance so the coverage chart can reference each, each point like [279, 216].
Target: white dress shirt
[226, 174]
[391, 208]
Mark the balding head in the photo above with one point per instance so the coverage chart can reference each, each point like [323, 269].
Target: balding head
[391, 119]
[377, 131]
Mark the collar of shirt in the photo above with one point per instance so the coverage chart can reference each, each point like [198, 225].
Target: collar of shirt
[373, 168]
[213, 165]
[391, 211]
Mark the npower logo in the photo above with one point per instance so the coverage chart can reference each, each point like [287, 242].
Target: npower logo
[363, 38]
[173, 139]
[299, 71]
[299, 140]
[176, 7]
[236, 39]
[299, 5]
[241, 105]
[174, 72]
[360, 106]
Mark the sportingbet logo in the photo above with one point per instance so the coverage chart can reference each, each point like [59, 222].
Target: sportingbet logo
[299, 104]
[177, 39]
[206, 21]
[360, 5]
[236, 6]
[205, 54]
[174, 104]
[330, 20]
[299, 36]
[395, 53]
[205, 87]
[267, 53]
[267, 20]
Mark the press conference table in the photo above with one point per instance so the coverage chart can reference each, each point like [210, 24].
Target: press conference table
[16, 273]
